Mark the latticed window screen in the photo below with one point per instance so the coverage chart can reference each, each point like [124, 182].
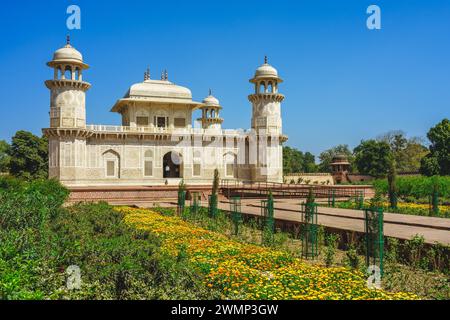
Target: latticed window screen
[179, 122]
[148, 168]
[197, 169]
[142, 121]
[110, 168]
[161, 122]
[230, 169]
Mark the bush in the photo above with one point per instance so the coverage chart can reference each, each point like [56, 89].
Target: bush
[331, 241]
[351, 258]
[416, 186]
[39, 240]
[29, 205]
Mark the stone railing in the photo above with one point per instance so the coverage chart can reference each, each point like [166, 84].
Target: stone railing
[167, 130]
[316, 174]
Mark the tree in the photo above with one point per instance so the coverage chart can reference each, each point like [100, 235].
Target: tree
[216, 181]
[294, 161]
[392, 183]
[29, 156]
[429, 166]
[309, 163]
[4, 156]
[327, 156]
[181, 196]
[413, 154]
[407, 153]
[213, 200]
[373, 157]
[438, 160]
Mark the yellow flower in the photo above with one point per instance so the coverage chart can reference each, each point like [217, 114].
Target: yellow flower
[258, 272]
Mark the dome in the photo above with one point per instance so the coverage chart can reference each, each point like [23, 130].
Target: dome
[158, 92]
[211, 101]
[158, 89]
[340, 158]
[67, 53]
[266, 70]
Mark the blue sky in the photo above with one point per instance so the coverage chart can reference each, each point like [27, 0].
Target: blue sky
[343, 82]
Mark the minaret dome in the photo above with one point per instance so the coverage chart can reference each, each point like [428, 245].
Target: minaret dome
[210, 113]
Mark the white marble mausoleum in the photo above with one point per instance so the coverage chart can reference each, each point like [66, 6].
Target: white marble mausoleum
[158, 143]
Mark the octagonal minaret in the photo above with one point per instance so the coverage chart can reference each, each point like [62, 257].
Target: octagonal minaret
[267, 151]
[67, 89]
[210, 113]
[266, 100]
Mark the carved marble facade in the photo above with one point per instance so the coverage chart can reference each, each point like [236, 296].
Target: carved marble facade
[157, 142]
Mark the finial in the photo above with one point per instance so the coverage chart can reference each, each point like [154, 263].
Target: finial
[266, 61]
[68, 40]
[210, 92]
[166, 75]
[147, 74]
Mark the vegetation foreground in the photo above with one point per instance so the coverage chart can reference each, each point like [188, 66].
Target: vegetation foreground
[126, 253]
[244, 271]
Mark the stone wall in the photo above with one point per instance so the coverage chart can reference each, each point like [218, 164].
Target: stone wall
[133, 195]
[359, 178]
[310, 178]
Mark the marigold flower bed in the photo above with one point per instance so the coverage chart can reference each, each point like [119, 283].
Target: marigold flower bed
[245, 271]
[419, 209]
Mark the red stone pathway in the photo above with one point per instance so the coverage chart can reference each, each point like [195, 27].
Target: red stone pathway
[396, 225]
[399, 226]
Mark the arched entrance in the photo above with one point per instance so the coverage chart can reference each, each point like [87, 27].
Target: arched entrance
[172, 165]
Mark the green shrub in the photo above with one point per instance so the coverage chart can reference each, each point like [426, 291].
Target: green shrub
[416, 186]
[415, 247]
[30, 205]
[351, 258]
[39, 240]
[392, 250]
[331, 241]
[9, 182]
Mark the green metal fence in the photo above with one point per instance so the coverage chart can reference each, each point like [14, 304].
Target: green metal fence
[309, 231]
[212, 205]
[359, 200]
[331, 198]
[267, 220]
[434, 203]
[236, 214]
[374, 237]
[181, 202]
[195, 205]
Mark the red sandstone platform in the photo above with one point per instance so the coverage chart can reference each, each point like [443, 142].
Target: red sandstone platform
[396, 225]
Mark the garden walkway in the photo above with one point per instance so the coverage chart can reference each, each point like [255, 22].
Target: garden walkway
[396, 225]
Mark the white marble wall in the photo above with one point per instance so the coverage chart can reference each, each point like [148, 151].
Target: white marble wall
[84, 163]
[67, 108]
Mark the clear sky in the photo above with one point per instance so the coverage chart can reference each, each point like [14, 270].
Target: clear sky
[343, 82]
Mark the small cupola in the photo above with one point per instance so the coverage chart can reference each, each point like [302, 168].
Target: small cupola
[266, 79]
[68, 63]
[211, 113]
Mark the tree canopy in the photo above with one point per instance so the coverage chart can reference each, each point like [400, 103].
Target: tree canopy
[373, 158]
[4, 156]
[407, 152]
[295, 161]
[29, 156]
[438, 160]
